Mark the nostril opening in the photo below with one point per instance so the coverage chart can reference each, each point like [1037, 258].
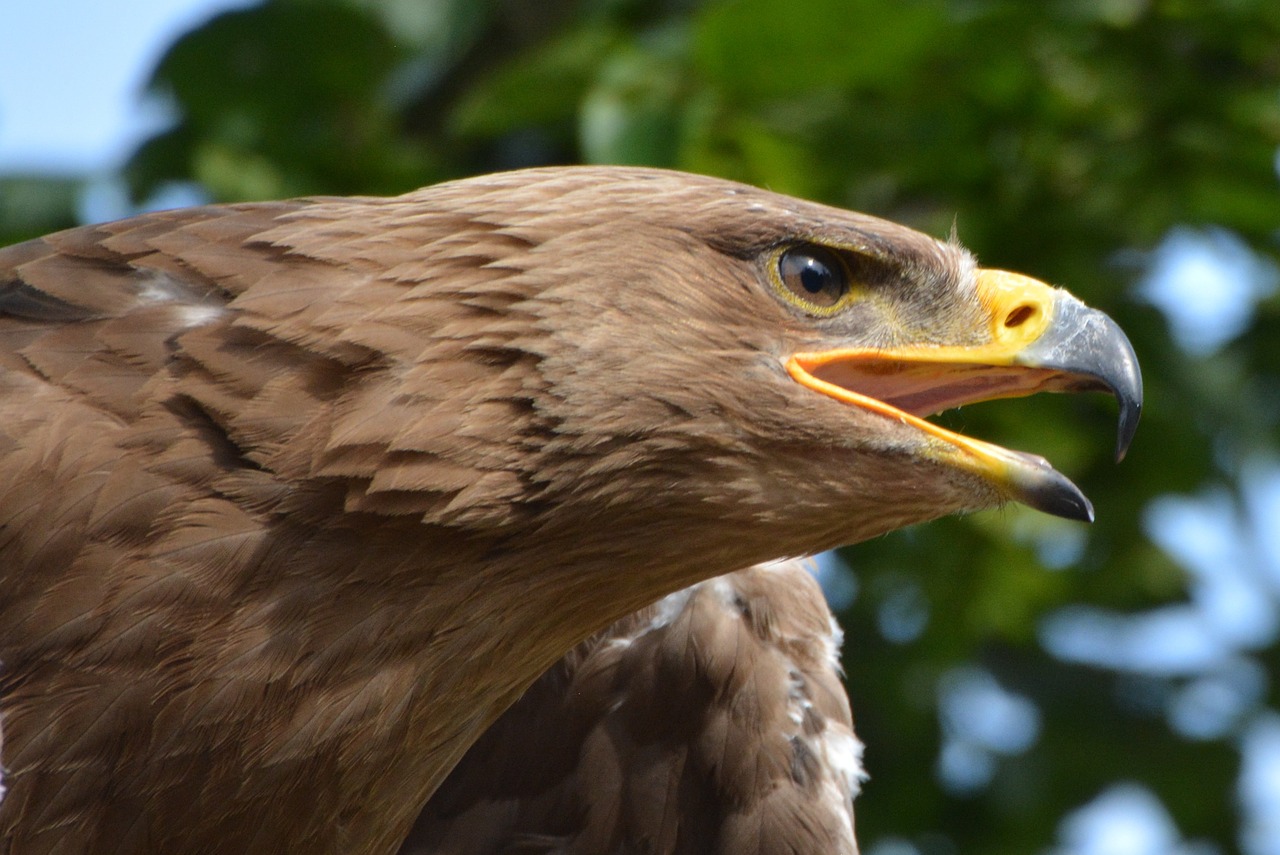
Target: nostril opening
[1019, 316]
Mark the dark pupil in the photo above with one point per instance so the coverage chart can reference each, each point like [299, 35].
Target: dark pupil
[815, 276]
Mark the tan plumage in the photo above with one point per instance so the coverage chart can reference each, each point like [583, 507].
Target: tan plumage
[296, 498]
[713, 721]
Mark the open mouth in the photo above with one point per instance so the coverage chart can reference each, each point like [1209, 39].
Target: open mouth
[925, 388]
[1070, 348]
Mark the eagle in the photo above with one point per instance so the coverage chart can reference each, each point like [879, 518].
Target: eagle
[298, 498]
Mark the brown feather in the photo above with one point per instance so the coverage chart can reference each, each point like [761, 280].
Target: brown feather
[714, 721]
[296, 498]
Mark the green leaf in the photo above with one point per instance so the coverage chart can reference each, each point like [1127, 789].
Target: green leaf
[760, 49]
[545, 86]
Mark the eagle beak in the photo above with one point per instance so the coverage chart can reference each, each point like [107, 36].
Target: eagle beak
[1041, 339]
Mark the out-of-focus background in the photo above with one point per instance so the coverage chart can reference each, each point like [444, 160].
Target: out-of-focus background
[1024, 684]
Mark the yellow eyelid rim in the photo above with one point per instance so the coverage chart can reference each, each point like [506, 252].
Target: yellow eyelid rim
[850, 296]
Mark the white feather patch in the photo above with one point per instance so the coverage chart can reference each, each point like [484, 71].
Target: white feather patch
[669, 608]
[191, 308]
[194, 316]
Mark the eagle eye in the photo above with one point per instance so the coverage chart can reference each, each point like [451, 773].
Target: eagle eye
[812, 277]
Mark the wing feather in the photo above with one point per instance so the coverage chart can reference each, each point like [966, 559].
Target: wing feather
[712, 722]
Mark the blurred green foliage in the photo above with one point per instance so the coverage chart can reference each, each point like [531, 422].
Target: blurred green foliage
[31, 206]
[1058, 137]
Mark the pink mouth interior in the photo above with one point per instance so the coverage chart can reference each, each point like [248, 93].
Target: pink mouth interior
[927, 388]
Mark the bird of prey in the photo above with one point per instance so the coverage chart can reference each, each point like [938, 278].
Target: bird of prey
[297, 498]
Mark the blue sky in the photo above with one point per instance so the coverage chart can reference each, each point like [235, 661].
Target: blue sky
[71, 72]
